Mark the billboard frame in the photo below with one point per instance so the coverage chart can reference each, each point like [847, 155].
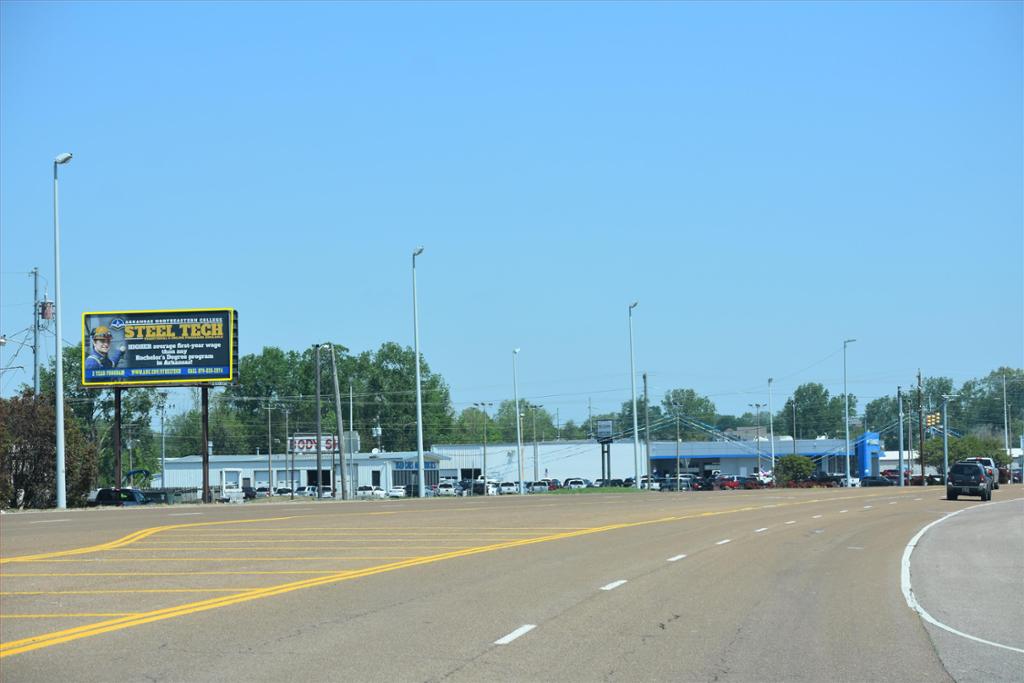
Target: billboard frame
[231, 337]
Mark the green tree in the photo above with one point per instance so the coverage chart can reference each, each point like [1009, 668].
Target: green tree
[682, 404]
[817, 413]
[964, 447]
[792, 468]
[28, 453]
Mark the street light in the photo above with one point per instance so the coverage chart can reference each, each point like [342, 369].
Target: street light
[61, 486]
[419, 397]
[519, 433]
[533, 410]
[846, 411]
[632, 384]
[483, 405]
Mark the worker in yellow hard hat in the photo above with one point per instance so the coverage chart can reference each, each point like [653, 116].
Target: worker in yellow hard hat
[101, 355]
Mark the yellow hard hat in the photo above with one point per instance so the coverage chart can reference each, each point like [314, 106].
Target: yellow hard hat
[102, 332]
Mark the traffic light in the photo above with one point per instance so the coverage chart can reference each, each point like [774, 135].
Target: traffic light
[933, 419]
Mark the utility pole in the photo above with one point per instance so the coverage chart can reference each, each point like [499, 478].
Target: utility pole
[163, 444]
[899, 401]
[270, 457]
[757, 431]
[352, 428]
[289, 450]
[536, 463]
[558, 425]
[319, 431]
[590, 419]
[647, 436]
[794, 425]
[920, 426]
[483, 405]
[771, 424]
[675, 409]
[1006, 426]
[35, 336]
[341, 429]
[945, 438]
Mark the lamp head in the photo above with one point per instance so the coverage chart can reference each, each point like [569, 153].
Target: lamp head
[633, 305]
[63, 158]
[419, 250]
[849, 341]
[515, 351]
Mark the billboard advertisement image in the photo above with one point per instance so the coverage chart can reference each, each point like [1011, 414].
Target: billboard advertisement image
[159, 347]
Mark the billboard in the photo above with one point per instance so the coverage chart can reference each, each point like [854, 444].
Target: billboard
[132, 348]
[605, 429]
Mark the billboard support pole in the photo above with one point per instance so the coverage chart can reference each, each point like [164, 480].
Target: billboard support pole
[117, 436]
[205, 446]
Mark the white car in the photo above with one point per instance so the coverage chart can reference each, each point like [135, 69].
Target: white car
[854, 481]
[508, 487]
[397, 492]
[575, 484]
[305, 491]
[537, 487]
[446, 488]
[367, 491]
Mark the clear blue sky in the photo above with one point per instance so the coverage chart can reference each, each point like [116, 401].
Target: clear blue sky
[766, 179]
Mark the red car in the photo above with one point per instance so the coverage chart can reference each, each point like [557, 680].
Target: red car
[728, 481]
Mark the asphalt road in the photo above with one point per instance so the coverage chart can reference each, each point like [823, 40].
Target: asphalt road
[774, 585]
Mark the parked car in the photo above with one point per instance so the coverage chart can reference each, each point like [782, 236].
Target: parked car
[282, 490]
[574, 484]
[116, 497]
[538, 487]
[991, 469]
[248, 493]
[326, 492]
[968, 479]
[1004, 474]
[479, 490]
[654, 485]
[876, 481]
[305, 491]
[446, 488]
[508, 487]
[854, 481]
[1017, 476]
[364, 491]
[554, 484]
[396, 492]
[726, 482]
[262, 491]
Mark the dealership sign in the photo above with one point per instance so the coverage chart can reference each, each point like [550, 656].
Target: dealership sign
[160, 347]
[302, 444]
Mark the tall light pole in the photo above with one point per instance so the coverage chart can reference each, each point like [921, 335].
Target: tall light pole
[757, 431]
[675, 409]
[483, 405]
[846, 411]
[419, 396]
[61, 485]
[632, 384]
[771, 425]
[945, 437]
[519, 432]
[319, 431]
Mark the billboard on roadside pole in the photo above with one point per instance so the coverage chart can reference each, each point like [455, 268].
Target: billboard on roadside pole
[132, 348]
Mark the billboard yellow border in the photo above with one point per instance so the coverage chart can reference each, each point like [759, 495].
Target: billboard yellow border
[157, 383]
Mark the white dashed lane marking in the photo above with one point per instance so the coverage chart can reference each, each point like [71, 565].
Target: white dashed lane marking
[816, 517]
[842, 511]
[792, 521]
[757, 531]
[522, 630]
[676, 558]
[613, 585]
[724, 541]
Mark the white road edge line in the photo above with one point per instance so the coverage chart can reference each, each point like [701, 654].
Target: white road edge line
[522, 630]
[613, 585]
[184, 514]
[908, 591]
[724, 541]
[676, 558]
[50, 521]
[757, 531]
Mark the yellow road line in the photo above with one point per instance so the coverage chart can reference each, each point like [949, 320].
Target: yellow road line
[57, 637]
[218, 548]
[183, 573]
[115, 560]
[130, 590]
[126, 540]
[72, 616]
